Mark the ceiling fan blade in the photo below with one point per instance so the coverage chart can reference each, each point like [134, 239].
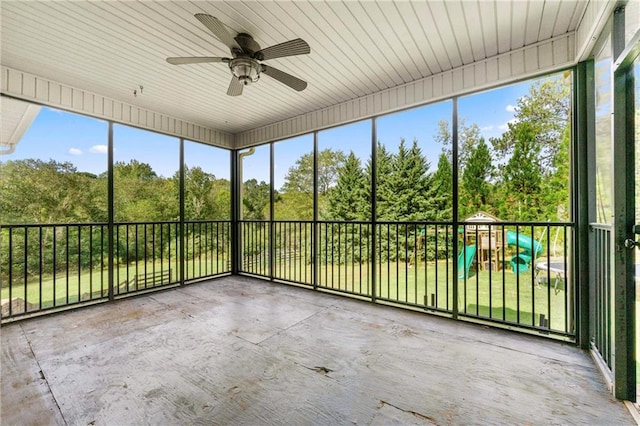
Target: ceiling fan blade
[288, 48]
[285, 78]
[195, 60]
[235, 87]
[218, 29]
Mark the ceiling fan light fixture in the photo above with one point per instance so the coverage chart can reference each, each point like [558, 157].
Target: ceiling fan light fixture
[245, 64]
[245, 69]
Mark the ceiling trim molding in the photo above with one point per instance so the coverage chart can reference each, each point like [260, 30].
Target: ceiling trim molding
[28, 113]
[529, 61]
[591, 25]
[22, 85]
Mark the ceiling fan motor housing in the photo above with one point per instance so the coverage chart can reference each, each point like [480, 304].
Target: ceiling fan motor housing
[247, 70]
[247, 43]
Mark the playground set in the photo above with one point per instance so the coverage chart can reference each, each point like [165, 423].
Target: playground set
[485, 242]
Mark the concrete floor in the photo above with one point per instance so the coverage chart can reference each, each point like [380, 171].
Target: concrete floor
[243, 351]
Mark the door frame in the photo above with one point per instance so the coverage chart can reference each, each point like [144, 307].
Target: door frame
[624, 370]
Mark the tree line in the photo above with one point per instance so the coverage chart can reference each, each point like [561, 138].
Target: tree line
[38, 191]
[523, 175]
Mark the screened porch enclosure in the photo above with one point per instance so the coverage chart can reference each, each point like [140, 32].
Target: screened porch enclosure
[494, 183]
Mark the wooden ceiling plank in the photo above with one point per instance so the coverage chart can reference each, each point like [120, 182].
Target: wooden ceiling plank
[445, 32]
[473, 21]
[504, 21]
[413, 22]
[534, 14]
[564, 18]
[461, 30]
[548, 20]
[432, 35]
[287, 14]
[398, 37]
[518, 23]
[347, 44]
[360, 16]
[489, 27]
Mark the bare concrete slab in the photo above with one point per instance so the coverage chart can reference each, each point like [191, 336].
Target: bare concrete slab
[244, 351]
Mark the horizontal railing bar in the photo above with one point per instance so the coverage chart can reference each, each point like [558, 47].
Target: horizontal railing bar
[514, 324]
[292, 221]
[602, 226]
[72, 224]
[50, 225]
[200, 221]
[462, 223]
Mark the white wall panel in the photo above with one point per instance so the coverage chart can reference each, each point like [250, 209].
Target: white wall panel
[66, 94]
[492, 70]
[522, 63]
[545, 54]
[42, 91]
[517, 62]
[55, 92]
[480, 74]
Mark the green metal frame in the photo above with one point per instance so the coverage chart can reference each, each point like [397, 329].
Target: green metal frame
[583, 151]
[235, 214]
[454, 201]
[110, 211]
[182, 227]
[624, 208]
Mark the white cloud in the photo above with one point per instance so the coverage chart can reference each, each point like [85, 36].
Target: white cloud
[487, 128]
[99, 149]
[505, 126]
[510, 108]
[75, 151]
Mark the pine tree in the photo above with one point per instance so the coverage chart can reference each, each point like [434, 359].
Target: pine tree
[348, 199]
[384, 192]
[409, 184]
[441, 184]
[475, 183]
[523, 173]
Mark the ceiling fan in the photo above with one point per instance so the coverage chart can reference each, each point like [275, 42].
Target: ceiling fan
[245, 63]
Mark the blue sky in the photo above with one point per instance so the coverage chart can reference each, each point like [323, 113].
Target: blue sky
[82, 140]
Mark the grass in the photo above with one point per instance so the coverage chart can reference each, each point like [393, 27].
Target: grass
[498, 295]
[62, 289]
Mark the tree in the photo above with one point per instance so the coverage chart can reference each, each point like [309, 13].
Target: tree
[140, 195]
[299, 181]
[556, 188]
[410, 184]
[545, 111]
[468, 137]
[384, 191]
[299, 178]
[475, 183]
[255, 200]
[36, 191]
[441, 184]
[134, 170]
[205, 197]
[522, 174]
[348, 199]
[534, 180]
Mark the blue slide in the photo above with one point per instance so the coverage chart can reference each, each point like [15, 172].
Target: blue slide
[530, 249]
[464, 261]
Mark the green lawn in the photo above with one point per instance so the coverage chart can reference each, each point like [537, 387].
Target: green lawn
[89, 285]
[489, 295]
[499, 295]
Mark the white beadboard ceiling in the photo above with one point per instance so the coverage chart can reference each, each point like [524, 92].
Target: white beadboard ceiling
[357, 48]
